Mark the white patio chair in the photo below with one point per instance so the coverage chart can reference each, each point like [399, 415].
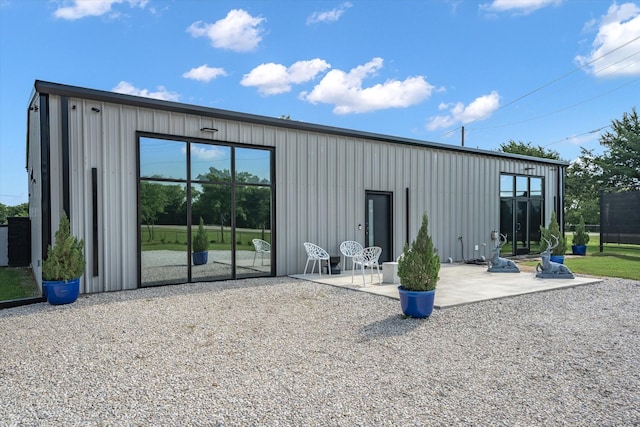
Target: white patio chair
[349, 248]
[367, 258]
[316, 253]
[261, 248]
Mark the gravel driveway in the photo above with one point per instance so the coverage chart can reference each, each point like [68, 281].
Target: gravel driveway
[280, 352]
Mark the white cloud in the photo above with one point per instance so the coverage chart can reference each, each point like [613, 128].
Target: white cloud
[479, 109]
[211, 153]
[519, 6]
[161, 92]
[345, 90]
[238, 31]
[329, 15]
[204, 73]
[83, 8]
[615, 52]
[272, 79]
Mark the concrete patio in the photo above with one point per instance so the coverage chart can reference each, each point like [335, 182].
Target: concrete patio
[459, 284]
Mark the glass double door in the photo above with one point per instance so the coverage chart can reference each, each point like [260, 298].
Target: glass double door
[520, 221]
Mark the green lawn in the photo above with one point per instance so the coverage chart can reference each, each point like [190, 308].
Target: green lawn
[175, 238]
[615, 261]
[17, 283]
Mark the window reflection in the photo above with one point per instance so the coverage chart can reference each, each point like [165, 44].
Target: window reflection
[212, 203]
[253, 221]
[210, 163]
[216, 193]
[522, 186]
[163, 233]
[253, 166]
[536, 187]
[506, 186]
[163, 159]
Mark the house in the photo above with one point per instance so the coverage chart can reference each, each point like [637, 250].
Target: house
[135, 175]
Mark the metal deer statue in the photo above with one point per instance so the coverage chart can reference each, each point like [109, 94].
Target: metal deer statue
[501, 265]
[549, 269]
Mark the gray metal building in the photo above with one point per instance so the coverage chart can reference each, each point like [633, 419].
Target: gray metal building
[135, 175]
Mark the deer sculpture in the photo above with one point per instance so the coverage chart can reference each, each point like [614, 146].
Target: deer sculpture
[498, 264]
[549, 269]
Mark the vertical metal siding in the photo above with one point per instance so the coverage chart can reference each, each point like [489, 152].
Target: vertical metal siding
[321, 182]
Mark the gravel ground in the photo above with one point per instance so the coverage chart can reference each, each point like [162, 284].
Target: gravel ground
[279, 352]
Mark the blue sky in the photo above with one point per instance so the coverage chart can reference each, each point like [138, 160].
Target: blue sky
[551, 72]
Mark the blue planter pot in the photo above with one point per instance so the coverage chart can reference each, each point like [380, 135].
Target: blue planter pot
[61, 292]
[416, 304]
[557, 258]
[579, 249]
[200, 258]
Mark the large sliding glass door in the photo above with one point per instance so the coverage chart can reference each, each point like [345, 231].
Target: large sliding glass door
[228, 187]
[521, 204]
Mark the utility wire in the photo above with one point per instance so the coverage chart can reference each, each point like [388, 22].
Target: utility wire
[584, 101]
[547, 84]
[576, 136]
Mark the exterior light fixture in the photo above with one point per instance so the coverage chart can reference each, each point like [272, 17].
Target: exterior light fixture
[208, 130]
[95, 109]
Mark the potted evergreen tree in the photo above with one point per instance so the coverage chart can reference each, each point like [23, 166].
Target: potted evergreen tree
[64, 266]
[200, 245]
[418, 269]
[551, 234]
[580, 239]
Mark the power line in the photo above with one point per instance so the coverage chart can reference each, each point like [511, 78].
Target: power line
[576, 136]
[539, 88]
[584, 101]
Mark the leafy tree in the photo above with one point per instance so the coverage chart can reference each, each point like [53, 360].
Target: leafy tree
[528, 149]
[152, 203]
[11, 211]
[620, 163]
[618, 167]
[175, 208]
[581, 197]
[214, 203]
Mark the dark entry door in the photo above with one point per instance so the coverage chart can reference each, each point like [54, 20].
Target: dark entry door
[379, 223]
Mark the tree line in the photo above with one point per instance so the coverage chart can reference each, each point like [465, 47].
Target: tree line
[11, 211]
[166, 204]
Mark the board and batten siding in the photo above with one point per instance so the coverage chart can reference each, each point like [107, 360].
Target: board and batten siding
[320, 181]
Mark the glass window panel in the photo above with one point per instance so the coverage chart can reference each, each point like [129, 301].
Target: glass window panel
[253, 166]
[160, 158]
[506, 225]
[163, 233]
[506, 185]
[535, 185]
[522, 186]
[253, 221]
[522, 222]
[210, 163]
[535, 221]
[212, 203]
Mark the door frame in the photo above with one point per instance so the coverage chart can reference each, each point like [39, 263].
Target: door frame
[387, 252]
